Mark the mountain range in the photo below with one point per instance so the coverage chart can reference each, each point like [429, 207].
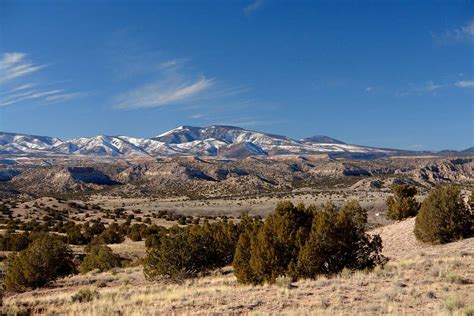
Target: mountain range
[215, 140]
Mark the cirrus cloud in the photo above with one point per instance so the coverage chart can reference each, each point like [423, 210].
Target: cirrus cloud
[15, 69]
[467, 84]
[456, 34]
[163, 92]
[14, 65]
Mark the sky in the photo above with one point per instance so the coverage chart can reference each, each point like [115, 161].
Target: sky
[396, 74]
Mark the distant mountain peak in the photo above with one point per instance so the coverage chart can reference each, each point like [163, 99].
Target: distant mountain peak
[321, 139]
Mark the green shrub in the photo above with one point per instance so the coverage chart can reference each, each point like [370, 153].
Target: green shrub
[14, 242]
[453, 303]
[403, 204]
[76, 237]
[84, 296]
[100, 257]
[111, 235]
[443, 216]
[186, 251]
[135, 232]
[469, 311]
[46, 259]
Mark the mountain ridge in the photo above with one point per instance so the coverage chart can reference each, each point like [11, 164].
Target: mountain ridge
[214, 140]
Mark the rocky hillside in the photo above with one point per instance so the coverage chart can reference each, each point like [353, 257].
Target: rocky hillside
[206, 177]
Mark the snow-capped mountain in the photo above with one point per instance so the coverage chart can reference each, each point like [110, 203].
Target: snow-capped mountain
[222, 137]
[216, 140]
[11, 143]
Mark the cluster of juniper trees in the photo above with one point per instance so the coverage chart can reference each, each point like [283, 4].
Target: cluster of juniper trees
[294, 241]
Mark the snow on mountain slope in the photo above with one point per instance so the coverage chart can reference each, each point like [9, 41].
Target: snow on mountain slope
[216, 140]
[22, 143]
[99, 145]
[226, 134]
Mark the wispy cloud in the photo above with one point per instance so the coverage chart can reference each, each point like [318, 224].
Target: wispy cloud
[467, 84]
[15, 98]
[173, 63]
[171, 82]
[163, 93]
[15, 86]
[252, 7]
[14, 65]
[432, 87]
[457, 34]
[23, 87]
[45, 96]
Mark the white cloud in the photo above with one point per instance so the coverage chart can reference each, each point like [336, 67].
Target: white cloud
[468, 84]
[172, 63]
[169, 63]
[462, 33]
[11, 58]
[431, 86]
[197, 116]
[15, 98]
[468, 29]
[369, 89]
[163, 93]
[14, 65]
[252, 7]
[64, 96]
[23, 87]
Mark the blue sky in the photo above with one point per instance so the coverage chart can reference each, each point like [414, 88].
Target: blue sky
[381, 73]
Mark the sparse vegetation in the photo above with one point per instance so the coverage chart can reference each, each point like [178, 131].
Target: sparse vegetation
[85, 295]
[296, 250]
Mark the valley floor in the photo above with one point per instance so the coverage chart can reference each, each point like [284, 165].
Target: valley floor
[418, 280]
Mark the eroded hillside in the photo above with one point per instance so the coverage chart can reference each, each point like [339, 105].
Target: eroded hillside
[198, 177]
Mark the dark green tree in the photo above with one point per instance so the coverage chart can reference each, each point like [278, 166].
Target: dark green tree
[100, 257]
[443, 217]
[45, 260]
[304, 242]
[337, 241]
[403, 203]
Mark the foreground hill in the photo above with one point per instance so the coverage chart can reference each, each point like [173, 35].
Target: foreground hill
[215, 140]
[419, 279]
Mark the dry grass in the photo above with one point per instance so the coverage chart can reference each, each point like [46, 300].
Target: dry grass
[423, 280]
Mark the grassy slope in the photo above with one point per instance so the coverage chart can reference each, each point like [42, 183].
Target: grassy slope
[419, 279]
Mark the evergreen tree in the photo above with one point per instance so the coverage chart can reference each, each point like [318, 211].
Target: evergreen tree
[444, 216]
[403, 203]
[45, 260]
